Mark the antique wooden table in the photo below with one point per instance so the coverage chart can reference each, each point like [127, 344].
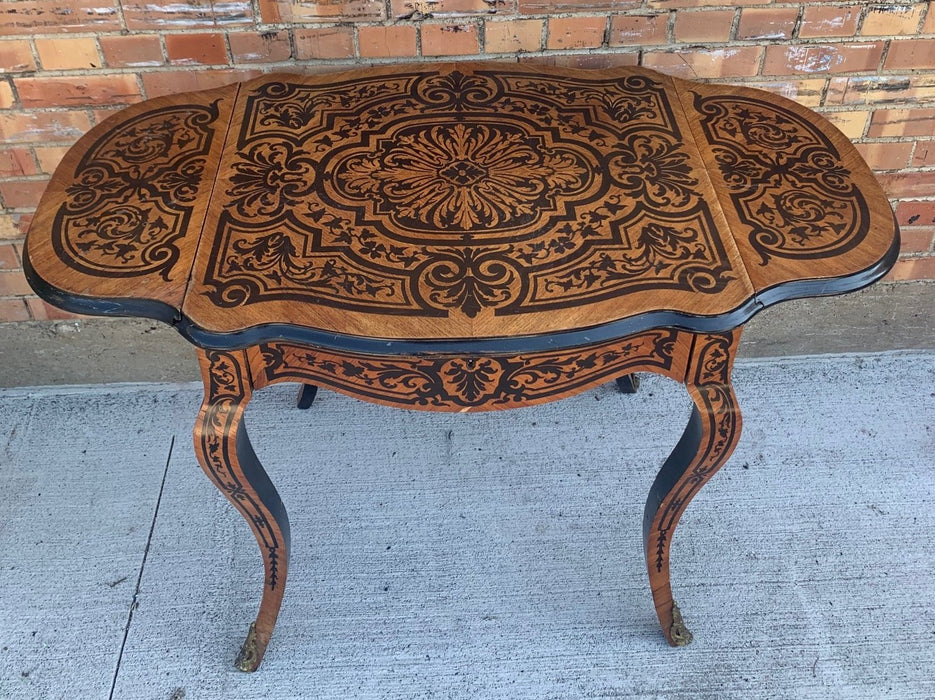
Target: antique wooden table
[458, 237]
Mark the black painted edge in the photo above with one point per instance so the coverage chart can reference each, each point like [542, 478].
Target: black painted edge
[561, 340]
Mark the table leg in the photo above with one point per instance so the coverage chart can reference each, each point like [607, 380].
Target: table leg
[307, 394]
[628, 383]
[224, 452]
[712, 433]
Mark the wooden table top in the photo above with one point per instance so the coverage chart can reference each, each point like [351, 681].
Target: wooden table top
[457, 203]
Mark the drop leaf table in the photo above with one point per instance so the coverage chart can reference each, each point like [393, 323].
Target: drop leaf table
[458, 237]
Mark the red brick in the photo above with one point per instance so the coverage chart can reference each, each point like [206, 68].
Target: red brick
[807, 91]
[915, 239]
[156, 83]
[13, 283]
[918, 268]
[916, 213]
[16, 162]
[928, 26]
[924, 155]
[902, 122]
[767, 22]
[13, 310]
[630, 30]
[8, 258]
[576, 32]
[851, 123]
[22, 194]
[822, 58]
[386, 42]
[440, 9]
[14, 225]
[910, 53]
[892, 19]
[880, 89]
[41, 311]
[679, 4]
[824, 21]
[16, 57]
[43, 127]
[449, 39]
[267, 47]
[54, 16]
[132, 51]
[7, 99]
[908, 184]
[534, 7]
[196, 49]
[68, 53]
[284, 11]
[886, 156]
[78, 90]
[703, 26]
[589, 61]
[515, 35]
[706, 63]
[326, 42]
[166, 15]
[49, 157]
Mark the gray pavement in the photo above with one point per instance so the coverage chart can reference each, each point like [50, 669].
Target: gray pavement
[491, 555]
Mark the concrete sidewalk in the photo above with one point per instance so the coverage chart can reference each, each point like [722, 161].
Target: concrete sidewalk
[477, 556]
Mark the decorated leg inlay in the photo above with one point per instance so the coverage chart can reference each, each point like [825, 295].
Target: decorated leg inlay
[224, 452]
[709, 439]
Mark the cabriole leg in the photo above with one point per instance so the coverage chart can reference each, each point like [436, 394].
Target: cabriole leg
[628, 383]
[224, 452]
[712, 433]
[307, 394]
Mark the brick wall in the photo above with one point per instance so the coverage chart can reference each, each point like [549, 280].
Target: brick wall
[67, 64]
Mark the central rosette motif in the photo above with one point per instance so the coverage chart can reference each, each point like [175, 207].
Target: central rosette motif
[461, 177]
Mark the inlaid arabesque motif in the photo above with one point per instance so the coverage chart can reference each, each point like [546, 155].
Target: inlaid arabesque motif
[785, 179]
[133, 194]
[432, 194]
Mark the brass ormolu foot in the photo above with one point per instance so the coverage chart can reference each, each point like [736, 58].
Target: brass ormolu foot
[248, 658]
[678, 632]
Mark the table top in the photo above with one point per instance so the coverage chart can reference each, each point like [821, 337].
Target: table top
[465, 204]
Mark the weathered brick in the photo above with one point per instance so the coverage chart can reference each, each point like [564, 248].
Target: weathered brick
[924, 155]
[916, 239]
[39, 310]
[449, 39]
[638, 30]
[53, 16]
[806, 91]
[916, 268]
[166, 15]
[590, 61]
[908, 184]
[852, 123]
[892, 20]
[276, 11]
[78, 90]
[8, 258]
[16, 162]
[440, 9]
[386, 42]
[7, 98]
[64, 53]
[16, 56]
[679, 4]
[43, 127]
[13, 225]
[910, 53]
[880, 89]
[12, 310]
[916, 213]
[902, 122]
[822, 58]
[534, 7]
[886, 156]
[13, 283]
[928, 26]
[196, 49]
[706, 63]
[824, 21]
[325, 42]
[516, 35]
[767, 22]
[132, 51]
[265, 47]
[703, 26]
[49, 157]
[22, 194]
[576, 32]
[157, 83]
